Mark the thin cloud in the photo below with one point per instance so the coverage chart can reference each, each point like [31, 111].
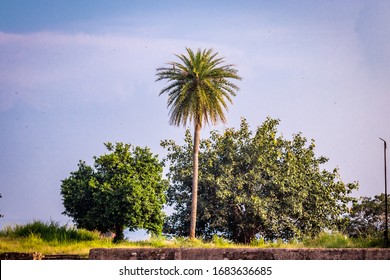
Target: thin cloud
[82, 66]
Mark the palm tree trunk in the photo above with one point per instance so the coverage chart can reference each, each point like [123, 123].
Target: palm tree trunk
[194, 197]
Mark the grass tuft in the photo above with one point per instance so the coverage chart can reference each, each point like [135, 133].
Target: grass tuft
[49, 232]
[329, 240]
[221, 242]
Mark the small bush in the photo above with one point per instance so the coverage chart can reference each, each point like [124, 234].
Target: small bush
[368, 241]
[157, 241]
[187, 242]
[220, 241]
[260, 242]
[329, 240]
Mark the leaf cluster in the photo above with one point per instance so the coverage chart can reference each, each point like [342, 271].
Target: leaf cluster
[199, 87]
[367, 216]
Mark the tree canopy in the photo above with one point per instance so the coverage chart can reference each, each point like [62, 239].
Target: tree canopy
[367, 216]
[125, 188]
[255, 185]
[199, 90]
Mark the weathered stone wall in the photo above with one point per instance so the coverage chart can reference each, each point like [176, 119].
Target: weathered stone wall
[238, 254]
[39, 256]
[212, 254]
[20, 256]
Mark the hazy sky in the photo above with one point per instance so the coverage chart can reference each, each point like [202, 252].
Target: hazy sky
[76, 74]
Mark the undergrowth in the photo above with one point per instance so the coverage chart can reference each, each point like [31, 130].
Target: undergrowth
[51, 238]
[50, 232]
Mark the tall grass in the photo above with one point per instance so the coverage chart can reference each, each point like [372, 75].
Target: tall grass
[327, 240]
[339, 240]
[49, 232]
[51, 238]
[323, 240]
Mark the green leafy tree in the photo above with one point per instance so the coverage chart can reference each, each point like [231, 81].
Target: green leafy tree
[124, 189]
[255, 185]
[367, 216]
[199, 88]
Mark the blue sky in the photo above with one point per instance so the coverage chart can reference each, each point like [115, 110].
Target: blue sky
[76, 74]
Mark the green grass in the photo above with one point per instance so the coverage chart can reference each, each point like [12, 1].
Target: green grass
[326, 240]
[50, 232]
[51, 238]
[339, 240]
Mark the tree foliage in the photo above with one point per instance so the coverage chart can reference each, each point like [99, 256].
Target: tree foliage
[199, 89]
[367, 216]
[124, 189]
[255, 185]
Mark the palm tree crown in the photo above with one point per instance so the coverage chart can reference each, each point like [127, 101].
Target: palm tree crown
[199, 88]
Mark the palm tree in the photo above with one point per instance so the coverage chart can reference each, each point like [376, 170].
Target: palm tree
[198, 89]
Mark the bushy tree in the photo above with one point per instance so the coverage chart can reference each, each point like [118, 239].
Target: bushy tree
[367, 216]
[124, 189]
[255, 185]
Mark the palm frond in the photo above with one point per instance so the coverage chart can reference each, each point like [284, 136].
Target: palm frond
[199, 87]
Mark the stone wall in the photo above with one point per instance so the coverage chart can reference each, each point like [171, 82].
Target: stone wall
[20, 256]
[238, 254]
[39, 256]
[212, 254]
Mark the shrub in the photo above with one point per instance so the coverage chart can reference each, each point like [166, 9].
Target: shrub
[220, 241]
[329, 240]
